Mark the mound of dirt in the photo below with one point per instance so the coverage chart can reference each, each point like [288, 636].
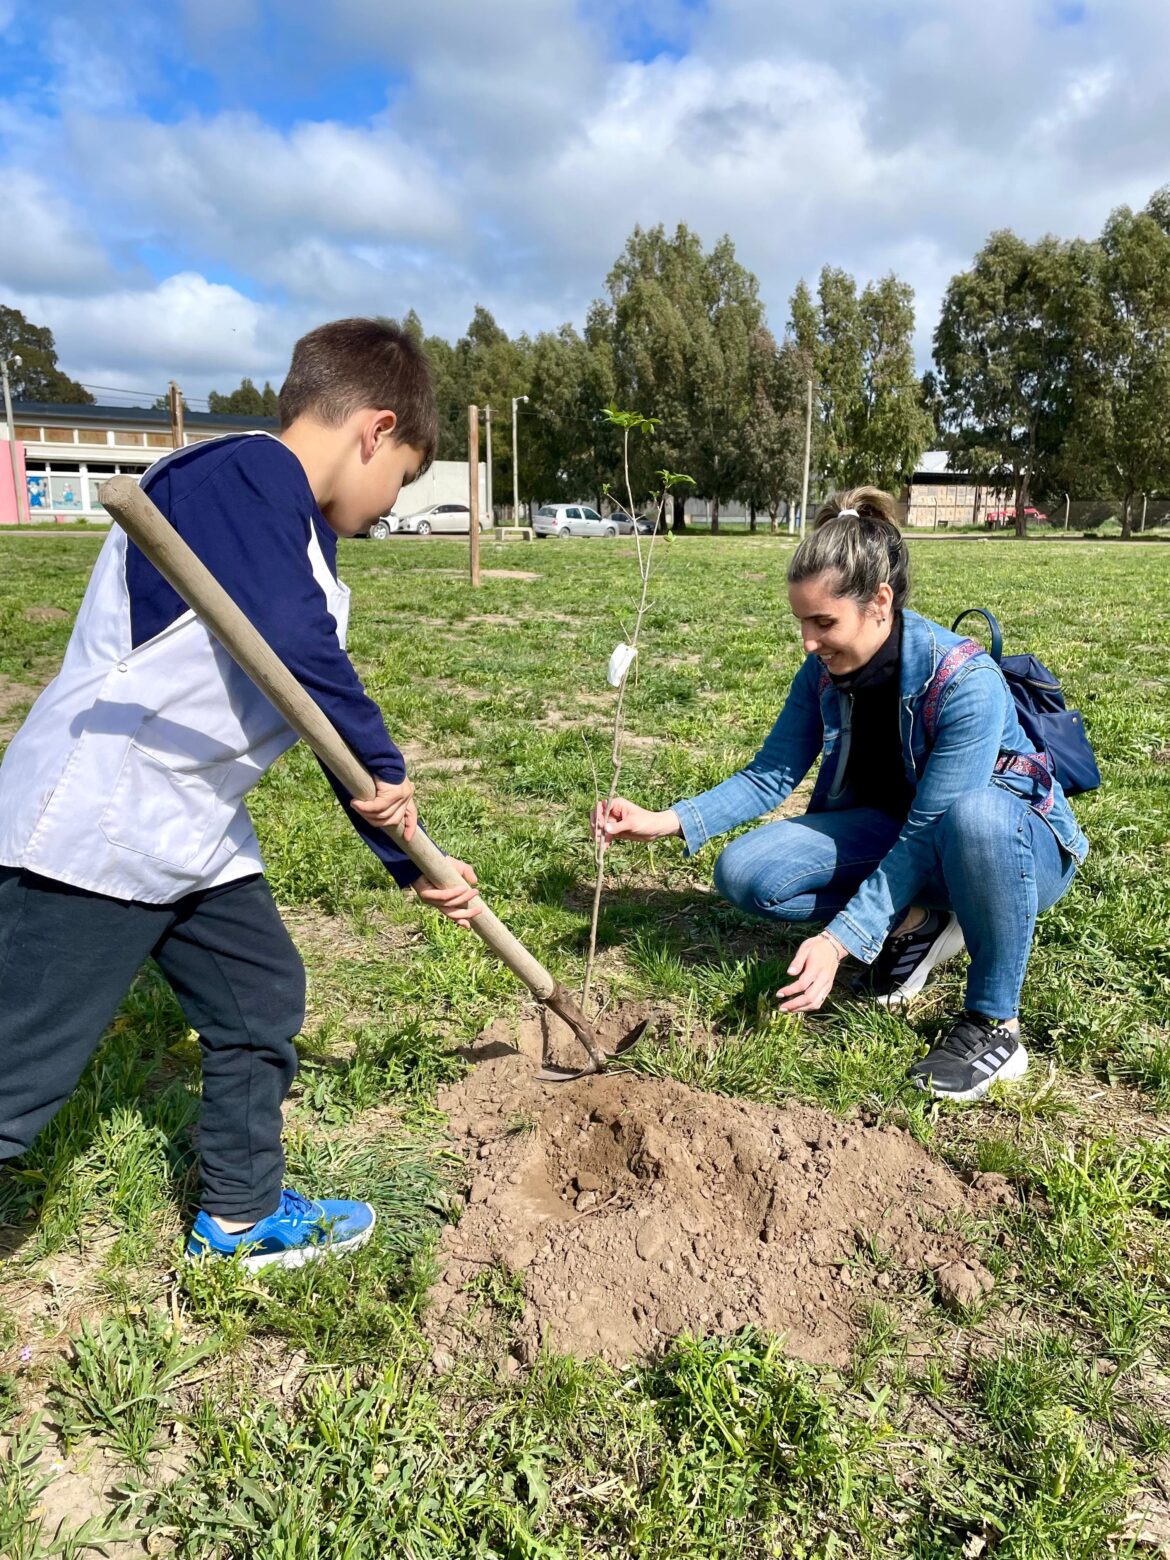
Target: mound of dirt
[638, 1208]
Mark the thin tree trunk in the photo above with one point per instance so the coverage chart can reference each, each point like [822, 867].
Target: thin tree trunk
[752, 518]
[1021, 488]
[1127, 517]
[679, 518]
[715, 516]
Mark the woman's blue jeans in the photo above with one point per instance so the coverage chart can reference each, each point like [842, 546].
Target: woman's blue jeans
[997, 865]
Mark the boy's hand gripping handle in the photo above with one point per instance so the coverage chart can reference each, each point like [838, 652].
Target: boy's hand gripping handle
[146, 525]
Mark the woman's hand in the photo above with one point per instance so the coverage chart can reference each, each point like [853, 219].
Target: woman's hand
[815, 968]
[458, 903]
[625, 820]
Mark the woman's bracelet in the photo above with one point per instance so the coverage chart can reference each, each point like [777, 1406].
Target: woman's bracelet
[840, 949]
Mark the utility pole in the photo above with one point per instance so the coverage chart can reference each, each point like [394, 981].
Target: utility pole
[473, 480]
[487, 423]
[1066, 511]
[1145, 501]
[516, 399]
[175, 407]
[22, 517]
[807, 458]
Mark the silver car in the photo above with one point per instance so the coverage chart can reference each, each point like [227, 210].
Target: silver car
[442, 519]
[578, 520]
[383, 526]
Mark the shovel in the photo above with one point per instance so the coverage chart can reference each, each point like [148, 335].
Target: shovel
[145, 524]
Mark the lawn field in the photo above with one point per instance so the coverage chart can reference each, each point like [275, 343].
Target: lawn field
[152, 1407]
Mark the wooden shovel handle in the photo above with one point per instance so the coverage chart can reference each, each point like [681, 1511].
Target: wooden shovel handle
[141, 519]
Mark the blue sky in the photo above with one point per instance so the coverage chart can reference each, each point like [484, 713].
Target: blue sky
[187, 188]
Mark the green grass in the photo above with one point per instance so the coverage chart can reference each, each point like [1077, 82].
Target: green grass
[301, 1416]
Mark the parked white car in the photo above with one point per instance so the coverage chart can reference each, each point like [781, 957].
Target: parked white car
[383, 526]
[442, 519]
[578, 520]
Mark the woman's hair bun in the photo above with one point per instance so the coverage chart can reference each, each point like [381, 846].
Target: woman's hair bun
[855, 537]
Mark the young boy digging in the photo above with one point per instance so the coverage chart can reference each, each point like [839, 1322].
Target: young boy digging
[123, 829]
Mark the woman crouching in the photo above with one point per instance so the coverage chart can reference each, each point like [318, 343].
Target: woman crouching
[933, 824]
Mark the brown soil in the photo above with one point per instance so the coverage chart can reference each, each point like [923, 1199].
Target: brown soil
[14, 696]
[45, 614]
[638, 1208]
[419, 761]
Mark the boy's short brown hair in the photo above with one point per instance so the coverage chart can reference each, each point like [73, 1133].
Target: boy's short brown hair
[346, 365]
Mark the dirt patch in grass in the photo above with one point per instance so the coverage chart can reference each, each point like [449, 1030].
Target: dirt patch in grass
[639, 1208]
[487, 574]
[46, 614]
[420, 761]
[14, 697]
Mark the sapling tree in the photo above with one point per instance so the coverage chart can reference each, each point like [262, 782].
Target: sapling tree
[624, 657]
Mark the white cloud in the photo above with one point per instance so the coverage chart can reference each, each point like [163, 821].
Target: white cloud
[201, 332]
[45, 243]
[237, 186]
[516, 153]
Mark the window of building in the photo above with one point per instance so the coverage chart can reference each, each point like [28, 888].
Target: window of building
[60, 436]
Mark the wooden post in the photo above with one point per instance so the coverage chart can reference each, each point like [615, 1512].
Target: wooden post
[473, 480]
[175, 407]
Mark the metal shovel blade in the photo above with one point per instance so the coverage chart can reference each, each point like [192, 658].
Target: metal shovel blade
[551, 1073]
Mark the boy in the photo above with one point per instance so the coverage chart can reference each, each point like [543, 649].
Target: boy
[123, 830]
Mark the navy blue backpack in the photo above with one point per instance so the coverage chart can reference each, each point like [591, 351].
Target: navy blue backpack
[1048, 723]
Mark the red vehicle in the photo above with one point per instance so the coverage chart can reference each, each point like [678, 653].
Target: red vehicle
[1001, 517]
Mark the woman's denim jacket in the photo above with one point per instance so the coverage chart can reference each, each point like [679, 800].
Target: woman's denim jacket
[968, 737]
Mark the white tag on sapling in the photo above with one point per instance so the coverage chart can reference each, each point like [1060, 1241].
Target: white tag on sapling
[619, 664]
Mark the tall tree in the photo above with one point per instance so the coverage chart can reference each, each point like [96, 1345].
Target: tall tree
[840, 376]
[655, 299]
[773, 432]
[1003, 348]
[895, 426]
[569, 450]
[1119, 435]
[682, 322]
[718, 380]
[872, 424]
[37, 378]
[244, 401]
[493, 369]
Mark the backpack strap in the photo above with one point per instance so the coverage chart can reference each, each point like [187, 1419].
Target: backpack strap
[954, 661]
[993, 624]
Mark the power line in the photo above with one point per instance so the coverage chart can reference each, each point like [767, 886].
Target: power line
[119, 390]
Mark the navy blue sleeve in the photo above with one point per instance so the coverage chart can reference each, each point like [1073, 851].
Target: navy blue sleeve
[248, 516]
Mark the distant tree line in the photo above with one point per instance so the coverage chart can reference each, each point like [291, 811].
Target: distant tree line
[1051, 372]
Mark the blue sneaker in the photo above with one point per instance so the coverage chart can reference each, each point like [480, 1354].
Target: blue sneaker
[299, 1231]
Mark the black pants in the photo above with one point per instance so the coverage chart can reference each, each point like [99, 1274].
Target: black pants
[68, 957]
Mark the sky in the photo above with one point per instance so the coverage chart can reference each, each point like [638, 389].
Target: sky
[185, 189]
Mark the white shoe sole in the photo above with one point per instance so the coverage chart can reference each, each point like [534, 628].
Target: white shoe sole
[1015, 1067]
[298, 1256]
[301, 1256]
[947, 944]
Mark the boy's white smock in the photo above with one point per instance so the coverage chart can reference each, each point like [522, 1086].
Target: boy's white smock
[129, 775]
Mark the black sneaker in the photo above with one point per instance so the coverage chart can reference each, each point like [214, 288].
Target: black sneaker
[903, 966]
[975, 1053]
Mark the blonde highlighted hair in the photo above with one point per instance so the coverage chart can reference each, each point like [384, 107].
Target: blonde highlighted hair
[855, 538]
